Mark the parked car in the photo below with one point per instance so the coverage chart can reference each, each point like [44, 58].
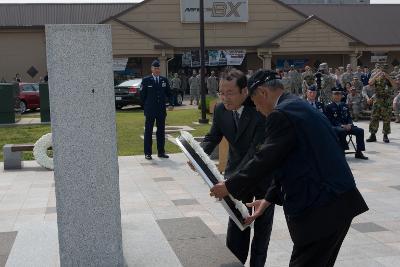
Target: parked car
[29, 96]
[128, 93]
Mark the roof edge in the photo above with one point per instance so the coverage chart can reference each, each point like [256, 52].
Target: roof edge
[133, 28]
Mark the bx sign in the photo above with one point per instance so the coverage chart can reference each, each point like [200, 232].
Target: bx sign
[215, 11]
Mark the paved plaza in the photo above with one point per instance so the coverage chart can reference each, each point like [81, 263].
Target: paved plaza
[168, 218]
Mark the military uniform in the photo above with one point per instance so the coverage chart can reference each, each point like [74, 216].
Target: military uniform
[395, 72]
[354, 102]
[176, 85]
[382, 106]
[153, 92]
[339, 114]
[212, 85]
[295, 82]
[315, 104]
[308, 80]
[194, 85]
[328, 82]
[347, 77]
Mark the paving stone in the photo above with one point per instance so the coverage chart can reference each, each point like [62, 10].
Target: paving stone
[182, 202]
[368, 227]
[184, 228]
[163, 179]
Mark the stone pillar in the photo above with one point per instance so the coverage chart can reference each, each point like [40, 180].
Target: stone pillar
[163, 65]
[82, 106]
[353, 61]
[267, 62]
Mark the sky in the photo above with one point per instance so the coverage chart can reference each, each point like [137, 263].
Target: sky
[135, 1]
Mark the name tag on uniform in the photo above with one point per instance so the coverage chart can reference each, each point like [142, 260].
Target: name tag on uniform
[163, 84]
[149, 85]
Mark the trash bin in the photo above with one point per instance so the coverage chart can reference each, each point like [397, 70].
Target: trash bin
[44, 102]
[9, 103]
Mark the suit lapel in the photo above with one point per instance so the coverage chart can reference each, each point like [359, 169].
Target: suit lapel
[243, 122]
[230, 125]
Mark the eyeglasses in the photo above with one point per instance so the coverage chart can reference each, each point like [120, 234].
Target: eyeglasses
[230, 94]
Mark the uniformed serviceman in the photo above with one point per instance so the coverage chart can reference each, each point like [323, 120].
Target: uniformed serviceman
[347, 76]
[154, 91]
[395, 72]
[295, 81]
[312, 98]
[382, 104]
[212, 84]
[327, 83]
[396, 100]
[194, 85]
[308, 79]
[176, 85]
[354, 102]
[338, 114]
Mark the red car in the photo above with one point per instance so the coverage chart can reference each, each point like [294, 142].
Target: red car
[29, 96]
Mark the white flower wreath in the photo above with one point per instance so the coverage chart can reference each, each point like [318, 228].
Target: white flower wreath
[211, 165]
[40, 151]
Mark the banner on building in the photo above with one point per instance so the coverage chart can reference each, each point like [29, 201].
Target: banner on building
[215, 11]
[231, 57]
[379, 59]
[119, 64]
[284, 64]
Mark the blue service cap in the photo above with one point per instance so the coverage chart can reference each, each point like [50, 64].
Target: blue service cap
[336, 90]
[261, 77]
[312, 87]
[155, 64]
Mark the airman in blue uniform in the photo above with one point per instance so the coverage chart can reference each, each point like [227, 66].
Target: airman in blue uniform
[312, 98]
[154, 91]
[338, 114]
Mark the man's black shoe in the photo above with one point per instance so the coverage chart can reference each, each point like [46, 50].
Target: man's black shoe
[385, 138]
[360, 155]
[148, 157]
[372, 138]
[164, 156]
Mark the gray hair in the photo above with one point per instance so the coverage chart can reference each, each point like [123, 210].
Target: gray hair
[274, 85]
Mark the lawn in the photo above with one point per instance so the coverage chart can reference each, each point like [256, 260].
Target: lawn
[130, 125]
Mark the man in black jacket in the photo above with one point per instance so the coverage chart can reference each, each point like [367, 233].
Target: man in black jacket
[237, 120]
[320, 197]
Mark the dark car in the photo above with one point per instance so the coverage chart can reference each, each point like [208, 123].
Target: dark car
[29, 96]
[128, 93]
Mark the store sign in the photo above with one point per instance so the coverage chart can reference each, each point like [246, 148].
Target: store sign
[379, 59]
[215, 11]
[119, 64]
[231, 57]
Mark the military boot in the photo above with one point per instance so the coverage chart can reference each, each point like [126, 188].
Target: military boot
[385, 138]
[372, 138]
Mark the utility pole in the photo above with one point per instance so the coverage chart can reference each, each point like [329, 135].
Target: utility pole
[202, 67]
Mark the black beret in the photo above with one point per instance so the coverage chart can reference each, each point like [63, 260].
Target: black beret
[155, 64]
[259, 78]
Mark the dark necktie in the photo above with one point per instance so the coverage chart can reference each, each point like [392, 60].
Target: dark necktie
[236, 119]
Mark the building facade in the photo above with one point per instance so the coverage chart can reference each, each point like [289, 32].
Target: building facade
[270, 33]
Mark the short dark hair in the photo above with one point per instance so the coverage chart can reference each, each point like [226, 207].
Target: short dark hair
[230, 74]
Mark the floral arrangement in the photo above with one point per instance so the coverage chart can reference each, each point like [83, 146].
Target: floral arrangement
[213, 168]
[40, 151]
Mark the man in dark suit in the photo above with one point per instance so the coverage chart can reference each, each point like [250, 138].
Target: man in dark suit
[237, 120]
[320, 197]
[154, 91]
[338, 114]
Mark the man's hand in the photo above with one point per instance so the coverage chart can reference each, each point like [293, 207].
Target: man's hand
[219, 190]
[259, 207]
[369, 101]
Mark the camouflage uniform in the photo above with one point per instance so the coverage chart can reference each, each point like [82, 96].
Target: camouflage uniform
[354, 102]
[347, 77]
[328, 82]
[382, 106]
[295, 82]
[396, 107]
[308, 80]
[194, 85]
[395, 72]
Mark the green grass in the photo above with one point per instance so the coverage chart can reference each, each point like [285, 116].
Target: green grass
[130, 125]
